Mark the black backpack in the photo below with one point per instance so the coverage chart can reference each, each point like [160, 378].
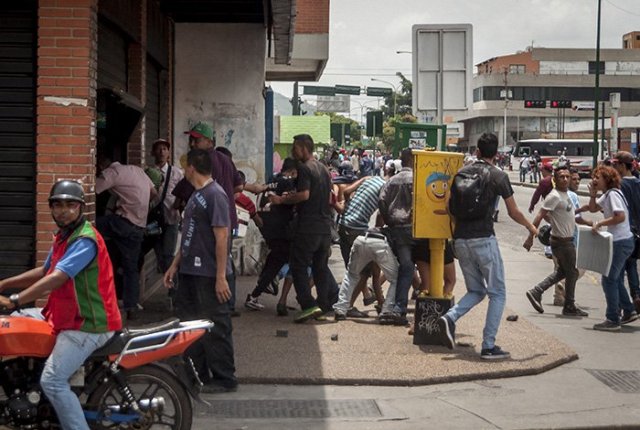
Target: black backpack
[470, 198]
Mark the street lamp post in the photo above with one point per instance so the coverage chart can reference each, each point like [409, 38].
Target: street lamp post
[362, 107]
[395, 92]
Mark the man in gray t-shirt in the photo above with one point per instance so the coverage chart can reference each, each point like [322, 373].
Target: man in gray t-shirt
[559, 209]
[202, 265]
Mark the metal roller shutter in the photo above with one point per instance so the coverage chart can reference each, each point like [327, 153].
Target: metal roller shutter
[17, 136]
[112, 58]
[152, 108]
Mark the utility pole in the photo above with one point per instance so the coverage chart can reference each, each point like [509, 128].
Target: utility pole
[614, 99]
[295, 101]
[506, 104]
[596, 91]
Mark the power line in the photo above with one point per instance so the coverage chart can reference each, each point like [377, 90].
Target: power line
[623, 10]
[362, 68]
[365, 74]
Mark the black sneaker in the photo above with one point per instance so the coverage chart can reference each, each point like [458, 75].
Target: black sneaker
[535, 297]
[369, 300]
[339, 316]
[607, 325]
[253, 303]
[495, 353]
[356, 313]
[574, 311]
[400, 320]
[628, 317]
[386, 318]
[447, 331]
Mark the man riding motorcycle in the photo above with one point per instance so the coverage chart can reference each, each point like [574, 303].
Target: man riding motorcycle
[82, 307]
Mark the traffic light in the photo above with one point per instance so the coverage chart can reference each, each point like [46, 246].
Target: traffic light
[535, 104]
[560, 104]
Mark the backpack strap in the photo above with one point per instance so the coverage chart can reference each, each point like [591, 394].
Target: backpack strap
[621, 195]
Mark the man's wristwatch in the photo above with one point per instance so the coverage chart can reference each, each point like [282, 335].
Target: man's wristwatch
[15, 300]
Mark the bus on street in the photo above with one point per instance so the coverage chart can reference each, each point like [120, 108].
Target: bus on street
[579, 152]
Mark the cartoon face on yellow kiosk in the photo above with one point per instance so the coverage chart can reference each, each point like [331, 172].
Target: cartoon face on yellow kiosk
[437, 187]
[432, 176]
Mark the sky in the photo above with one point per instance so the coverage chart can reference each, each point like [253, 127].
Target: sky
[364, 35]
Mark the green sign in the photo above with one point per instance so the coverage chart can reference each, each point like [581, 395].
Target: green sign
[378, 92]
[319, 91]
[353, 90]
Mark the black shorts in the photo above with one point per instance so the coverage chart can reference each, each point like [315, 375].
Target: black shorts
[421, 252]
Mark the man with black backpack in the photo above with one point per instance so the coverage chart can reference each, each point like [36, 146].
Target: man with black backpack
[630, 185]
[473, 194]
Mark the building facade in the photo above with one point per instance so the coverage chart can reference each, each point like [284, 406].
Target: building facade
[503, 84]
[82, 77]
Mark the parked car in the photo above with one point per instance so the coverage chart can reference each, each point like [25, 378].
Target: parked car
[584, 168]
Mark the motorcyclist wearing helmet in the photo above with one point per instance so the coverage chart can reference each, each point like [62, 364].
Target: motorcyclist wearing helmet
[82, 307]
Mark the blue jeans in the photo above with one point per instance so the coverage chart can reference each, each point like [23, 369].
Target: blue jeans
[631, 268]
[69, 353]
[483, 271]
[613, 284]
[128, 238]
[402, 245]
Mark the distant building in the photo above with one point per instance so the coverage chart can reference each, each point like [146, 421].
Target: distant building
[631, 40]
[544, 75]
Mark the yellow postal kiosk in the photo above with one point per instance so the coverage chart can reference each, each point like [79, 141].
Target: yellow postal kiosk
[433, 173]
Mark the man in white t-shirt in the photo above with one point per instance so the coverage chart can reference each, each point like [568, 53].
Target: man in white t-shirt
[574, 184]
[560, 211]
[524, 168]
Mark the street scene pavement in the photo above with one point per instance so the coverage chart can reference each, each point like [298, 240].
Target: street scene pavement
[562, 373]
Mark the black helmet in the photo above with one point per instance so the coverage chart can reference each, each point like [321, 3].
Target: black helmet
[67, 190]
[544, 235]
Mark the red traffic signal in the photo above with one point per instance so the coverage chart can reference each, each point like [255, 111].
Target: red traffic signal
[535, 104]
[560, 104]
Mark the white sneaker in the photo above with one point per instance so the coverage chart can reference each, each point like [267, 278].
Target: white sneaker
[253, 304]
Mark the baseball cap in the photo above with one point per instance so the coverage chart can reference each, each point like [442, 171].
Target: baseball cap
[201, 129]
[548, 167]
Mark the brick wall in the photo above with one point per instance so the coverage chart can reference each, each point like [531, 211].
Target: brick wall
[312, 16]
[66, 104]
[499, 64]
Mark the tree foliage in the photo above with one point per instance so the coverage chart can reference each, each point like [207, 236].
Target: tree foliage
[403, 112]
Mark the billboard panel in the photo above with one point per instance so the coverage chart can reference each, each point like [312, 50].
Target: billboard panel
[442, 70]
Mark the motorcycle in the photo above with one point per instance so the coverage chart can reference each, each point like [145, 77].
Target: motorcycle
[139, 379]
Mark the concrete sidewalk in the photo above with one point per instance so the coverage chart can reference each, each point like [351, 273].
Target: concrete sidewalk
[600, 390]
[362, 347]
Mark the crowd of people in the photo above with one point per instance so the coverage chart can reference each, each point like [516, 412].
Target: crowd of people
[188, 217]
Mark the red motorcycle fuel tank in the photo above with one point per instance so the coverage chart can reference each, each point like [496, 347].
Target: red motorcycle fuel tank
[22, 336]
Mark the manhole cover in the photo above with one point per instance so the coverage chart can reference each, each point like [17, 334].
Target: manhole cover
[622, 381]
[291, 409]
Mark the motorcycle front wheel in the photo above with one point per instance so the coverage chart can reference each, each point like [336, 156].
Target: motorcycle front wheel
[163, 401]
